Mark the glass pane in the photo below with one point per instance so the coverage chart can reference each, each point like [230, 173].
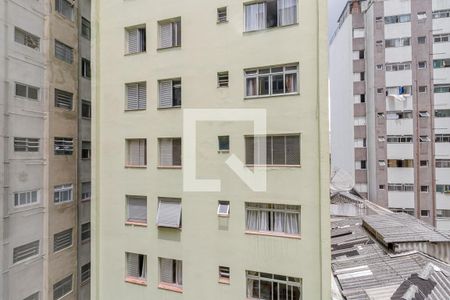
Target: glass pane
[263, 85]
[266, 290]
[251, 87]
[277, 84]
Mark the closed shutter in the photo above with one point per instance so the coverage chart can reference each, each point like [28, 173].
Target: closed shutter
[166, 270]
[137, 209]
[142, 95]
[176, 152]
[25, 251]
[165, 152]
[293, 150]
[279, 154]
[62, 288]
[133, 265]
[62, 240]
[142, 152]
[136, 152]
[165, 35]
[132, 40]
[165, 93]
[132, 96]
[169, 213]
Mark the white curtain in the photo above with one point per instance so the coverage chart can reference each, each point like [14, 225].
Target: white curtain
[251, 86]
[287, 12]
[292, 223]
[255, 16]
[278, 221]
[179, 272]
[252, 220]
[263, 221]
[250, 284]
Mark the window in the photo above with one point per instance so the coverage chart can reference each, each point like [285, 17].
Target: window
[169, 34]
[443, 213]
[422, 89]
[358, 33]
[381, 139]
[379, 67]
[271, 81]
[360, 165]
[360, 98]
[63, 52]
[63, 99]
[380, 90]
[62, 288]
[424, 213]
[224, 274]
[399, 90]
[443, 188]
[422, 40]
[85, 28]
[85, 232]
[65, 8]
[136, 152]
[170, 93]
[62, 240]
[270, 13]
[278, 150]
[171, 272]
[442, 88]
[222, 79]
[86, 68]
[400, 163]
[25, 198]
[222, 15]
[85, 109]
[442, 138]
[441, 38]
[272, 287]
[359, 121]
[422, 64]
[224, 143]
[136, 40]
[273, 218]
[424, 163]
[360, 143]
[25, 251]
[85, 273]
[441, 14]
[409, 211]
[398, 42]
[382, 163]
[27, 39]
[441, 63]
[442, 163]
[63, 146]
[421, 16]
[358, 76]
[62, 193]
[397, 19]
[169, 212]
[169, 152]
[424, 188]
[34, 296]
[399, 115]
[136, 95]
[381, 187]
[223, 210]
[401, 187]
[424, 138]
[399, 139]
[442, 113]
[136, 209]
[424, 114]
[27, 91]
[398, 67]
[85, 150]
[26, 144]
[85, 191]
[136, 267]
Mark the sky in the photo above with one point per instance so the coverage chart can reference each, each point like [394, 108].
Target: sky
[335, 8]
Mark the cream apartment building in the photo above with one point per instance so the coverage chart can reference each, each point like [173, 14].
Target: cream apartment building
[155, 239]
[45, 227]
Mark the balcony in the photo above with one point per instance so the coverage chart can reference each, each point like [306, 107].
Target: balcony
[400, 174]
[400, 127]
[398, 105]
[401, 199]
[400, 151]
[443, 200]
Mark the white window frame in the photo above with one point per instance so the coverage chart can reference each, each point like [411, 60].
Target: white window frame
[136, 96]
[27, 91]
[172, 28]
[255, 74]
[86, 196]
[223, 209]
[255, 277]
[176, 271]
[133, 220]
[28, 198]
[140, 33]
[62, 189]
[33, 246]
[141, 159]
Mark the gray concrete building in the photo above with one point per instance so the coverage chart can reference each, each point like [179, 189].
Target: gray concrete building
[44, 167]
[390, 111]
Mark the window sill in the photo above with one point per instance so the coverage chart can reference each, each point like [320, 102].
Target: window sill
[167, 48]
[274, 234]
[85, 200]
[86, 118]
[222, 22]
[224, 281]
[135, 53]
[170, 287]
[223, 151]
[169, 107]
[168, 227]
[135, 167]
[87, 241]
[273, 166]
[134, 223]
[270, 28]
[139, 109]
[169, 167]
[271, 96]
[136, 281]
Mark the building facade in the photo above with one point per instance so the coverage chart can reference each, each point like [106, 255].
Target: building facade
[156, 62]
[43, 237]
[390, 112]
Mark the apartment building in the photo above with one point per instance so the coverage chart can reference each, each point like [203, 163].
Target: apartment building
[390, 111]
[156, 236]
[43, 239]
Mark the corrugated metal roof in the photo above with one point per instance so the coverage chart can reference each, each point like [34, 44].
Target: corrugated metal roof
[401, 227]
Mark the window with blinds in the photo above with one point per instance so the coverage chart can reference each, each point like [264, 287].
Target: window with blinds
[27, 39]
[85, 150]
[63, 52]
[25, 198]
[62, 193]
[169, 212]
[63, 146]
[64, 8]
[85, 273]
[85, 191]
[136, 95]
[85, 28]
[34, 296]
[63, 99]
[25, 251]
[136, 152]
[222, 15]
[273, 218]
[62, 287]
[171, 272]
[136, 39]
[137, 209]
[85, 232]
[27, 91]
[136, 266]
[270, 13]
[169, 93]
[169, 33]
[169, 152]
[62, 240]
[86, 68]
[26, 144]
[276, 150]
